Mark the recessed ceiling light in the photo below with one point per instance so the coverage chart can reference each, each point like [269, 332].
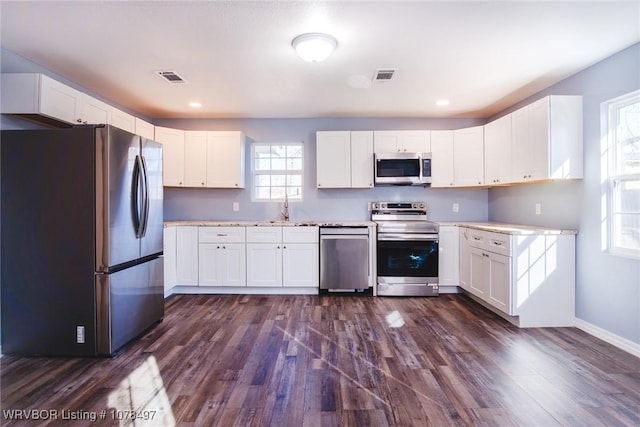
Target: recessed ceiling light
[195, 104]
[442, 102]
[314, 47]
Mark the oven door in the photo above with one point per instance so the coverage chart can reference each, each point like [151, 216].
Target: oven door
[407, 258]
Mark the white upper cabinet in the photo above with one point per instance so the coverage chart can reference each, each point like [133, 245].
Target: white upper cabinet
[123, 120]
[93, 111]
[333, 159]
[145, 129]
[202, 158]
[344, 159]
[497, 151]
[410, 141]
[225, 159]
[172, 141]
[468, 156]
[195, 158]
[36, 94]
[442, 158]
[547, 139]
[362, 159]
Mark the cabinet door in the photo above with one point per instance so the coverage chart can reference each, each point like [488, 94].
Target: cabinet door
[300, 265]
[448, 259]
[60, 101]
[225, 159]
[465, 258]
[386, 141]
[468, 150]
[415, 141]
[479, 272]
[442, 158]
[497, 151]
[539, 139]
[169, 251]
[93, 111]
[361, 159]
[195, 158]
[333, 159]
[234, 264]
[264, 264]
[187, 256]
[145, 129]
[123, 120]
[499, 292]
[520, 134]
[172, 141]
[209, 264]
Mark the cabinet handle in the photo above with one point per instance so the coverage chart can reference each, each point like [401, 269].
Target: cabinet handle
[79, 120]
[497, 243]
[217, 247]
[284, 247]
[221, 234]
[224, 247]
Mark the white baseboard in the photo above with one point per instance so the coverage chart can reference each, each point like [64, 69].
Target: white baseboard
[613, 339]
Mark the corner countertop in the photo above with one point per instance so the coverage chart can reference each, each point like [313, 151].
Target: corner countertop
[314, 223]
[518, 229]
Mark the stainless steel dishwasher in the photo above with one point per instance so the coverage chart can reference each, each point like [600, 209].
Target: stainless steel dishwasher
[344, 258]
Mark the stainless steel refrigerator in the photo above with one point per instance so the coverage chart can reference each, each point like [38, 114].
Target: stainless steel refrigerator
[81, 240]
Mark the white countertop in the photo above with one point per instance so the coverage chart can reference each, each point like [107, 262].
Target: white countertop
[270, 223]
[495, 227]
[498, 227]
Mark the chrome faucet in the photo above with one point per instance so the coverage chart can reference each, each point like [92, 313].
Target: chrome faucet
[285, 213]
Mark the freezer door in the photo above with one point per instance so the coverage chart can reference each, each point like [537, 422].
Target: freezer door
[151, 241]
[117, 152]
[128, 303]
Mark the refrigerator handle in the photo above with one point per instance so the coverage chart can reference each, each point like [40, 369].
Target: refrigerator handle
[145, 197]
[135, 197]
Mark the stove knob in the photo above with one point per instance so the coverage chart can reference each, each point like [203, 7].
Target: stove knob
[383, 205]
[421, 205]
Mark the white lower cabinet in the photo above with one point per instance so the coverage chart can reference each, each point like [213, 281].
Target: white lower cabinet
[187, 256]
[529, 278]
[282, 256]
[448, 259]
[169, 251]
[222, 256]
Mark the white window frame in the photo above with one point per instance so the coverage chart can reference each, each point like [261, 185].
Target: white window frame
[286, 172]
[615, 178]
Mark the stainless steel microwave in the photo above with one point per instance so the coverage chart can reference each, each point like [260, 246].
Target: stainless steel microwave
[402, 168]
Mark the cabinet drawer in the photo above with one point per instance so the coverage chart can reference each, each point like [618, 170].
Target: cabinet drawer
[300, 234]
[499, 243]
[256, 234]
[477, 238]
[221, 234]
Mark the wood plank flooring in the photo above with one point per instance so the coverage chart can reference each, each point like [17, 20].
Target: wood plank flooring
[226, 360]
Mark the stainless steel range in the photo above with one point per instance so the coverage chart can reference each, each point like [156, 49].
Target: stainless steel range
[407, 249]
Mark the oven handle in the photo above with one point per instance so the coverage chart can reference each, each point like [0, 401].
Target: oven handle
[408, 237]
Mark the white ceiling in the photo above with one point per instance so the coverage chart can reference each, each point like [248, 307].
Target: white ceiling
[238, 59]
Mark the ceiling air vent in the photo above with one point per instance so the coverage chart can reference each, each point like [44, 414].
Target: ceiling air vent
[384, 74]
[171, 76]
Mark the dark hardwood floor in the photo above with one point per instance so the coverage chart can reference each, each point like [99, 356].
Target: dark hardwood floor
[332, 361]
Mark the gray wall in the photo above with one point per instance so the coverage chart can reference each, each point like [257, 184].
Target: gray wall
[608, 287]
[325, 204]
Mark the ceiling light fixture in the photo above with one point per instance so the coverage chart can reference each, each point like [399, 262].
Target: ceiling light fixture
[442, 102]
[195, 104]
[314, 47]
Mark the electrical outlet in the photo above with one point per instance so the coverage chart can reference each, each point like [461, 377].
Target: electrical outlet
[538, 209]
[456, 207]
[236, 206]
